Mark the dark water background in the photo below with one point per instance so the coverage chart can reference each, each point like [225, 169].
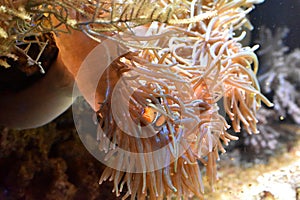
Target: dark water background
[274, 14]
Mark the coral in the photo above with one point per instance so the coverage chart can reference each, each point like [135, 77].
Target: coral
[281, 73]
[279, 79]
[266, 141]
[24, 72]
[25, 163]
[49, 162]
[21, 19]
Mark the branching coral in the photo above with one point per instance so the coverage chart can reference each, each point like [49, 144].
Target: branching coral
[281, 73]
[267, 141]
[21, 19]
[279, 78]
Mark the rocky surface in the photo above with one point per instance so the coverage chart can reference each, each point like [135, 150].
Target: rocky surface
[49, 163]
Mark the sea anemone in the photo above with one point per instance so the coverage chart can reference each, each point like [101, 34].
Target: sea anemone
[165, 100]
[157, 104]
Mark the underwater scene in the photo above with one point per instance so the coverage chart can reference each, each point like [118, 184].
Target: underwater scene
[150, 99]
